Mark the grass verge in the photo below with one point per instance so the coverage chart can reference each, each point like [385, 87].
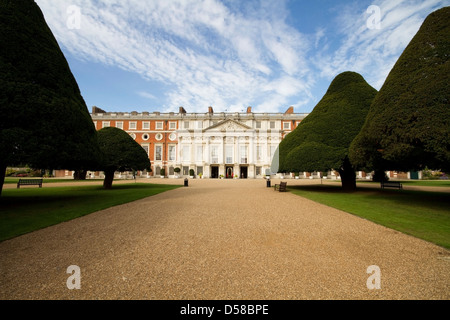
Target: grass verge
[13, 180]
[425, 215]
[418, 183]
[30, 209]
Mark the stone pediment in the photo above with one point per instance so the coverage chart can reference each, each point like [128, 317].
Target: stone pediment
[228, 125]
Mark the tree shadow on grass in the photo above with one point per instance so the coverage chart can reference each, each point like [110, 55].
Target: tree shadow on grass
[26, 210]
[325, 188]
[406, 197]
[47, 198]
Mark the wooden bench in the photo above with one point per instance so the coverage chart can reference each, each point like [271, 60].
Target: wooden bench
[391, 184]
[29, 182]
[280, 187]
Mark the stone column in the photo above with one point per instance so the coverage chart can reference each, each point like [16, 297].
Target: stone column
[251, 151]
[207, 158]
[251, 172]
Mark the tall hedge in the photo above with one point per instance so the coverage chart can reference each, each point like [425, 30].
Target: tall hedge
[408, 125]
[44, 120]
[322, 139]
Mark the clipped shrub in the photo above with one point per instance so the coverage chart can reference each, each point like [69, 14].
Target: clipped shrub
[321, 141]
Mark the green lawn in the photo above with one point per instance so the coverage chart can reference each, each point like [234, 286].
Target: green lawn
[425, 215]
[30, 209]
[14, 180]
[419, 183]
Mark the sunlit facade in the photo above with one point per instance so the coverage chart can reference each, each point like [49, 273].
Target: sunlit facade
[211, 145]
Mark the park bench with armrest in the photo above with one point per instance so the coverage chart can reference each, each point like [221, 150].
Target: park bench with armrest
[29, 182]
[391, 184]
[281, 187]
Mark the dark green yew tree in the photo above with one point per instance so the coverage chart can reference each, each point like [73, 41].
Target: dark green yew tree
[44, 121]
[120, 153]
[321, 141]
[408, 125]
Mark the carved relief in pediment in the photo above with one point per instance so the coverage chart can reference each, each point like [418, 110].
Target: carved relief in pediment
[229, 125]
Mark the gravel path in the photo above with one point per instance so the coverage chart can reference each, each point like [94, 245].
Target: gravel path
[220, 239]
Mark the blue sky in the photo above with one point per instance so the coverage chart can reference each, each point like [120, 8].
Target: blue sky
[158, 55]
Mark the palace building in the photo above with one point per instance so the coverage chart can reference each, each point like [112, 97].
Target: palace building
[213, 145]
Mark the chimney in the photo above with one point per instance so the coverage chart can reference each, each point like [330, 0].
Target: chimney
[97, 110]
[249, 110]
[182, 110]
[290, 110]
[210, 110]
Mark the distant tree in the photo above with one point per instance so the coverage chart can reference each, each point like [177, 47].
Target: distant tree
[321, 141]
[120, 153]
[408, 125]
[44, 121]
[80, 174]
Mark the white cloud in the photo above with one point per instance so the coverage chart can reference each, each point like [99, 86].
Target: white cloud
[373, 52]
[318, 36]
[236, 55]
[207, 53]
[146, 95]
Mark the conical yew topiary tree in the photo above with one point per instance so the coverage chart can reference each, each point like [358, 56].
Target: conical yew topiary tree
[120, 153]
[44, 121]
[408, 125]
[321, 141]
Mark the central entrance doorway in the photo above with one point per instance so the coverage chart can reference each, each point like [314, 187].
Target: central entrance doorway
[229, 172]
[214, 172]
[244, 172]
